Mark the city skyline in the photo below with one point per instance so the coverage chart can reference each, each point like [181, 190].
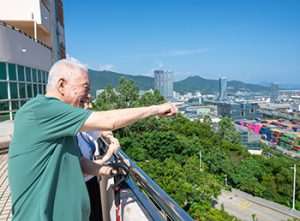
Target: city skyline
[250, 41]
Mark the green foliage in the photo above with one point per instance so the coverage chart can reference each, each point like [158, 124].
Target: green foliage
[217, 161]
[207, 120]
[197, 190]
[128, 93]
[149, 98]
[227, 131]
[167, 150]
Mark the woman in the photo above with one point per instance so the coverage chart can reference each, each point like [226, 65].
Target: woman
[87, 142]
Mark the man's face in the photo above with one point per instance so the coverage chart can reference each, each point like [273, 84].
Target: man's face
[78, 89]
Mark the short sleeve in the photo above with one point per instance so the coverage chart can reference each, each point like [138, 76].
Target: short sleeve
[60, 119]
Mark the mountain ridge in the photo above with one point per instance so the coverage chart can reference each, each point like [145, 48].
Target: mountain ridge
[100, 79]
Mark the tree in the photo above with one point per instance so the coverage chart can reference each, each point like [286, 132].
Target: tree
[207, 120]
[228, 132]
[107, 100]
[128, 93]
[149, 98]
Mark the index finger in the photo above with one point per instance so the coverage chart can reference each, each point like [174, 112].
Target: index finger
[176, 104]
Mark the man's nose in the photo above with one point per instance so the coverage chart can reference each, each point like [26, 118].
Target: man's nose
[88, 96]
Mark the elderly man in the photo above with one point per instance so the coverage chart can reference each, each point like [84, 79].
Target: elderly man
[45, 174]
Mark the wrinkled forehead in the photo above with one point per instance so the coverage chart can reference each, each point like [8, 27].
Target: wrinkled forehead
[81, 77]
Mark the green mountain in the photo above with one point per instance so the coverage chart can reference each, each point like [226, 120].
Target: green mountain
[100, 79]
[207, 86]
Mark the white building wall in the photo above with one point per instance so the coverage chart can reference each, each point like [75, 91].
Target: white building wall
[19, 49]
[20, 10]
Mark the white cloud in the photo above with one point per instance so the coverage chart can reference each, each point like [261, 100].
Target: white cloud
[160, 64]
[149, 73]
[69, 57]
[175, 53]
[107, 67]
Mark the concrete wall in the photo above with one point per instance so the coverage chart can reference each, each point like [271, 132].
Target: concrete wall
[16, 10]
[13, 42]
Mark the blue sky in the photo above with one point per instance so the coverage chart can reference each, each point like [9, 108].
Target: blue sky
[248, 40]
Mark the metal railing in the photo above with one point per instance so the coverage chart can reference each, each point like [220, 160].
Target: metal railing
[154, 193]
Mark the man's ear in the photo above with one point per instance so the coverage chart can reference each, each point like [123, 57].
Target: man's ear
[61, 86]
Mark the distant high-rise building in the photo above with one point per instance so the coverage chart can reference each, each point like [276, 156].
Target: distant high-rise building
[164, 82]
[222, 89]
[274, 93]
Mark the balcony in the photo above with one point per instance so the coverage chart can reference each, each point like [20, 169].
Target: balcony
[141, 198]
[28, 51]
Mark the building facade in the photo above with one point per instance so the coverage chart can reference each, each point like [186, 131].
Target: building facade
[163, 81]
[31, 40]
[222, 89]
[274, 93]
[239, 110]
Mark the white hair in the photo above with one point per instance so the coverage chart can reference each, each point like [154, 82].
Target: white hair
[64, 68]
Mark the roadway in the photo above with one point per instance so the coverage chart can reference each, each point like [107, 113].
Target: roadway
[243, 206]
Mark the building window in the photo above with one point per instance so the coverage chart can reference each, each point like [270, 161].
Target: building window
[40, 89]
[34, 75]
[14, 90]
[21, 73]
[15, 105]
[3, 90]
[4, 106]
[29, 90]
[28, 75]
[22, 90]
[12, 72]
[23, 102]
[23, 83]
[35, 90]
[2, 71]
[4, 116]
[46, 77]
[39, 75]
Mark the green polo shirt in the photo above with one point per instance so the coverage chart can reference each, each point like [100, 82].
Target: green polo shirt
[44, 172]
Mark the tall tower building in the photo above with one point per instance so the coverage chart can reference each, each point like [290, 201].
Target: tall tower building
[164, 82]
[222, 89]
[31, 39]
[274, 93]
